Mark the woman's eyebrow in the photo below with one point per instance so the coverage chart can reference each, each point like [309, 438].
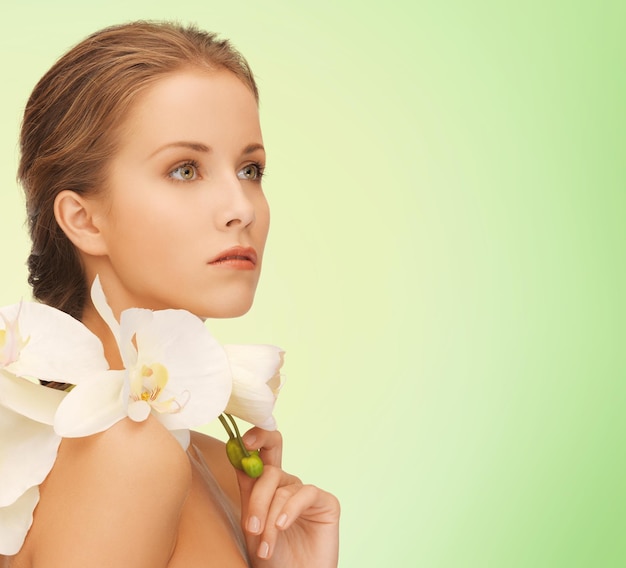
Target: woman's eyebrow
[197, 146]
[200, 147]
[253, 148]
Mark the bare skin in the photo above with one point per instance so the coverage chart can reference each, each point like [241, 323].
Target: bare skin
[168, 511]
[134, 486]
[183, 188]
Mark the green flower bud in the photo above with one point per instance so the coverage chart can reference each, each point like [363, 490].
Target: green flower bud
[235, 454]
[252, 465]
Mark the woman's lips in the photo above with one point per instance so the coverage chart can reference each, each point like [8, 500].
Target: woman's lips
[241, 258]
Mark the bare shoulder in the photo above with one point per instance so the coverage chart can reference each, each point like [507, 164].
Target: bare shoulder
[214, 453]
[112, 499]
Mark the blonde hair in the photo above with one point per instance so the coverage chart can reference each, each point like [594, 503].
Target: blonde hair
[71, 126]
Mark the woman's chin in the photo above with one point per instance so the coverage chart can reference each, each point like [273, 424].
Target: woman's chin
[225, 310]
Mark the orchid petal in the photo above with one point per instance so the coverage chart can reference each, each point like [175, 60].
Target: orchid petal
[256, 382]
[256, 362]
[159, 376]
[156, 376]
[11, 340]
[130, 321]
[183, 437]
[254, 407]
[92, 406]
[15, 520]
[29, 399]
[102, 307]
[27, 457]
[138, 410]
[56, 347]
[170, 401]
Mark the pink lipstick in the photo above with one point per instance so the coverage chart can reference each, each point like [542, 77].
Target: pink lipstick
[239, 258]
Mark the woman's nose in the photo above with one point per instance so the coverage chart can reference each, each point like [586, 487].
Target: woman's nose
[236, 207]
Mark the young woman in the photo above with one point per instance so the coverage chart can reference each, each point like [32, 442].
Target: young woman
[142, 160]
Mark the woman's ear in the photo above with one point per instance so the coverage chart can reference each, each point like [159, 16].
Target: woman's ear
[78, 220]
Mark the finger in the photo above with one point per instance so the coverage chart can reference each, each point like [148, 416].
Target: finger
[267, 540]
[259, 498]
[269, 444]
[309, 503]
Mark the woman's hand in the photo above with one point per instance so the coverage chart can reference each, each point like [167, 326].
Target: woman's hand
[287, 524]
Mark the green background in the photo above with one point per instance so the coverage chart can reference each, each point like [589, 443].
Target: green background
[446, 262]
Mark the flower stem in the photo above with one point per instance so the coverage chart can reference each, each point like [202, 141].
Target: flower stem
[243, 447]
[226, 426]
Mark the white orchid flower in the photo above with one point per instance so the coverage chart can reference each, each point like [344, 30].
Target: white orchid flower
[256, 382]
[15, 521]
[11, 340]
[173, 369]
[28, 445]
[28, 450]
[36, 342]
[41, 342]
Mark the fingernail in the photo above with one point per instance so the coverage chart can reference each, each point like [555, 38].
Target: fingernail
[281, 521]
[264, 550]
[249, 440]
[254, 525]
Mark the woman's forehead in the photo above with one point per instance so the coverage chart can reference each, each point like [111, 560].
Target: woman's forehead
[202, 107]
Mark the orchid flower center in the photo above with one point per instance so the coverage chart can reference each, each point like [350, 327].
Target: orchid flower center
[147, 386]
[154, 378]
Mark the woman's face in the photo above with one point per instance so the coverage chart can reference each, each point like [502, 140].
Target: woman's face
[183, 218]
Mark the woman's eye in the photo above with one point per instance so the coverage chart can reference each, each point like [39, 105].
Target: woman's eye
[251, 172]
[186, 172]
